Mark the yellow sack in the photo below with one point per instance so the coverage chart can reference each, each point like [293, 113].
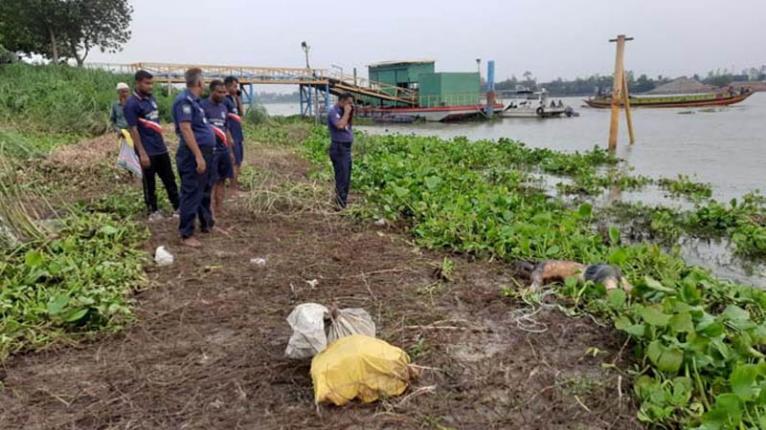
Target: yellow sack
[359, 366]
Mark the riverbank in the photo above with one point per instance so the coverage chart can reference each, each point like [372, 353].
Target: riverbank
[205, 348]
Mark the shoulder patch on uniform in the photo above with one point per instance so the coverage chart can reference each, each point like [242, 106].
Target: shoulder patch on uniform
[186, 109]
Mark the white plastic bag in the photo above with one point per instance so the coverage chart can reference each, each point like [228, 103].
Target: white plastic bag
[128, 159]
[162, 257]
[309, 338]
[345, 322]
[314, 327]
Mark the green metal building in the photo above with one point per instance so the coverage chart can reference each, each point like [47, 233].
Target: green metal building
[434, 88]
[449, 89]
[403, 74]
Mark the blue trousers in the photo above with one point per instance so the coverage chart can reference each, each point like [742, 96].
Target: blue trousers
[340, 154]
[195, 191]
[221, 169]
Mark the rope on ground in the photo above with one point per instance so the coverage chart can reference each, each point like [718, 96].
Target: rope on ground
[525, 322]
[524, 318]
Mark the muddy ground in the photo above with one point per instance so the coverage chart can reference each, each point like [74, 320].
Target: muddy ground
[207, 348]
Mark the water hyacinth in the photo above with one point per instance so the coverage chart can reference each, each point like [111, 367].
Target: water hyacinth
[698, 341]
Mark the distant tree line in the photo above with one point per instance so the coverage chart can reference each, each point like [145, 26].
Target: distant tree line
[60, 30]
[265, 97]
[640, 84]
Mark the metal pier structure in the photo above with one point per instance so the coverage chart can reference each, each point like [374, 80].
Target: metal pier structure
[315, 85]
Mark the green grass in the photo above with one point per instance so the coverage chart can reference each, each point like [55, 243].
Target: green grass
[31, 144]
[61, 99]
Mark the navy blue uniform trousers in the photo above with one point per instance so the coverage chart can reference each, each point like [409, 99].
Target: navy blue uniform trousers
[340, 154]
[162, 167]
[195, 191]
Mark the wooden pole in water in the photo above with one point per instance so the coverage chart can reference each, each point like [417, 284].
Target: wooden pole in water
[628, 114]
[617, 93]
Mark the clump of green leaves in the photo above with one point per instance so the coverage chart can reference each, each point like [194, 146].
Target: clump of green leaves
[743, 222]
[684, 186]
[700, 341]
[72, 285]
[257, 115]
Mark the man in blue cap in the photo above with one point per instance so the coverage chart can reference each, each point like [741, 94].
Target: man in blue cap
[339, 122]
[195, 154]
[216, 112]
[143, 120]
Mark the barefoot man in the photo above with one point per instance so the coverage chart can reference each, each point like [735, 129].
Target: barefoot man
[195, 154]
[216, 113]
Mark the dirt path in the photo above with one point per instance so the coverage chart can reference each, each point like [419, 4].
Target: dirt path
[207, 349]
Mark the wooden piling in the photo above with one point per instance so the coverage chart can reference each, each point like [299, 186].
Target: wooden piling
[628, 114]
[618, 95]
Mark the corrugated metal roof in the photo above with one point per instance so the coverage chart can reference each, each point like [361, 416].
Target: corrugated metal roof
[401, 62]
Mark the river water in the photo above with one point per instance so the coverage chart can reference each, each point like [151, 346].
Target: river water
[723, 146]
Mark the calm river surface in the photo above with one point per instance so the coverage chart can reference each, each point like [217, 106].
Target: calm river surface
[723, 146]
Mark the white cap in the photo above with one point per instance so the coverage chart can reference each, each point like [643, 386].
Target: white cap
[122, 86]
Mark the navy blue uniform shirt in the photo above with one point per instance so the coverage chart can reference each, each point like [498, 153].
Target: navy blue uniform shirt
[235, 127]
[137, 108]
[216, 114]
[345, 135]
[186, 108]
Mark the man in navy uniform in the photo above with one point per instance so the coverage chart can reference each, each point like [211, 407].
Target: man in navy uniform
[339, 121]
[143, 121]
[216, 112]
[195, 154]
[234, 104]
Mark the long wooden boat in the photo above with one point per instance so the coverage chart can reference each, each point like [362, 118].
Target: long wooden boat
[673, 101]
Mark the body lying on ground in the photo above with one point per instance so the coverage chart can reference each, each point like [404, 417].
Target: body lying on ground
[550, 271]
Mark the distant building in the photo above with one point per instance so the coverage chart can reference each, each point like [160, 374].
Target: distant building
[434, 89]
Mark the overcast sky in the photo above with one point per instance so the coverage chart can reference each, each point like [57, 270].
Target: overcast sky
[553, 38]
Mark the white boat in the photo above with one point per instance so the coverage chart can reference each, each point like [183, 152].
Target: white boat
[534, 104]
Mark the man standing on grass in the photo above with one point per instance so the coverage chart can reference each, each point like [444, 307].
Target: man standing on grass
[117, 117]
[216, 113]
[339, 121]
[194, 156]
[143, 121]
[234, 105]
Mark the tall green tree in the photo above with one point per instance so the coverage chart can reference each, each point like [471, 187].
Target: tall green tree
[63, 29]
[102, 24]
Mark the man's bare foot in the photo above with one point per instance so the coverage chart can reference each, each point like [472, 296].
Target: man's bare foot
[191, 242]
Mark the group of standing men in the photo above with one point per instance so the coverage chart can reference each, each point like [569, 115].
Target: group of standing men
[210, 149]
